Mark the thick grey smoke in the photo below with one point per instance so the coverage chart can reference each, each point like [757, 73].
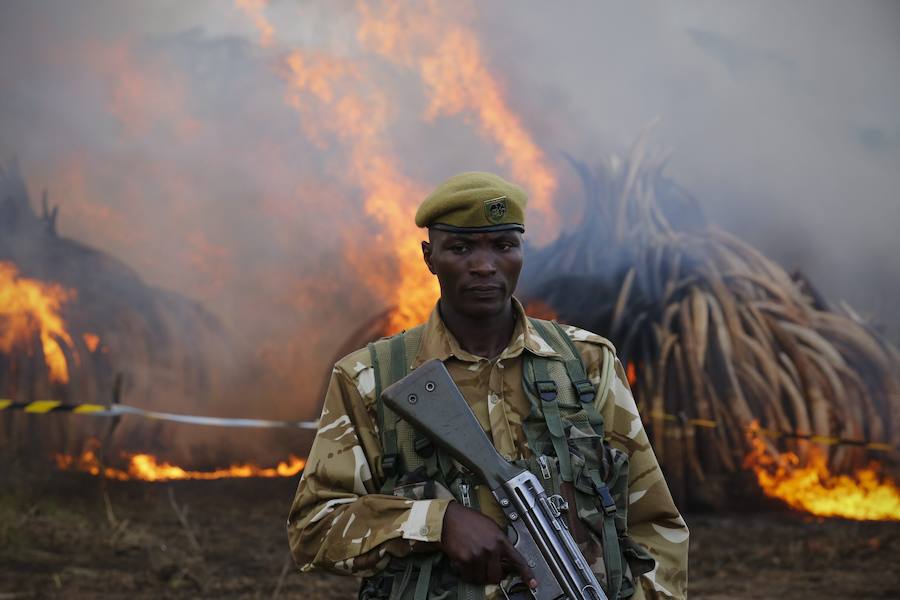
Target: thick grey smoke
[162, 131]
[782, 117]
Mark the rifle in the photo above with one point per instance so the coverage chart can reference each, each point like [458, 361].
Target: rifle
[430, 401]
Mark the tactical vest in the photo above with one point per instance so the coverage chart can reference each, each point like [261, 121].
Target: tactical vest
[564, 432]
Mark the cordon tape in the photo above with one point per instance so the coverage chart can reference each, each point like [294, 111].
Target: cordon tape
[115, 410]
[772, 433]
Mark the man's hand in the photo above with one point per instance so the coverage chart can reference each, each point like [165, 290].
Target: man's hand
[478, 549]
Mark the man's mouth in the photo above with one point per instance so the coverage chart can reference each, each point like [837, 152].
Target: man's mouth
[482, 289]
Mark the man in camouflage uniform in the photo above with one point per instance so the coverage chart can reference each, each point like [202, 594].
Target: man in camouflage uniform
[340, 522]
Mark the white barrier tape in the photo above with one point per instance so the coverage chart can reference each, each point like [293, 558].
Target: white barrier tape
[114, 410]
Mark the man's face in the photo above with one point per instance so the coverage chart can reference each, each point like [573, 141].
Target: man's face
[477, 272]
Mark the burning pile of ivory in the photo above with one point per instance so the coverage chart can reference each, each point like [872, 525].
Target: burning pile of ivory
[79, 326]
[726, 352]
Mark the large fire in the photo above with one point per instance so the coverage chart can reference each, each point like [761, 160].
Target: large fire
[146, 467]
[356, 114]
[813, 488]
[30, 308]
[341, 103]
[432, 40]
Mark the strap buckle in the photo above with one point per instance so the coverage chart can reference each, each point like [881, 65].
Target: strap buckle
[585, 389]
[606, 499]
[546, 390]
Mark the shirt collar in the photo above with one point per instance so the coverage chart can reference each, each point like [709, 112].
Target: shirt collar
[438, 342]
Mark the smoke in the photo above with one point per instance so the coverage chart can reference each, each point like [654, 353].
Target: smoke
[167, 135]
[781, 118]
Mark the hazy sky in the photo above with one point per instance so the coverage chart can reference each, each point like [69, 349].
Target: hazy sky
[165, 132]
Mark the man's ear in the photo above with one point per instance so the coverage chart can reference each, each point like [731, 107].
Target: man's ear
[426, 254]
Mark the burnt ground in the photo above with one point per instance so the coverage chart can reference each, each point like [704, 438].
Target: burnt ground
[57, 541]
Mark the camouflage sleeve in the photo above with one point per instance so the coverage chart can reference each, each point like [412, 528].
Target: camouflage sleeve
[337, 522]
[653, 520]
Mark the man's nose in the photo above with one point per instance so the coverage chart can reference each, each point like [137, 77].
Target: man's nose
[482, 264]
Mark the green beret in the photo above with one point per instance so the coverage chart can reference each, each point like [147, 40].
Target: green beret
[474, 201]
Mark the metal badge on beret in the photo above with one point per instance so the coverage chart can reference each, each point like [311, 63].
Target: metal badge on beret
[495, 209]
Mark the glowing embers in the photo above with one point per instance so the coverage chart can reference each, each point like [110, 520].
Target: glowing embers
[631, 372]
[540, 309]
[91, 340]
[146, 467]
[30, 309]
[865, 495]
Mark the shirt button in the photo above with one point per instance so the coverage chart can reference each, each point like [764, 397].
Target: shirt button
[423, 531]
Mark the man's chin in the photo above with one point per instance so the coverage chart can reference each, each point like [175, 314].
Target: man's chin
[485, 309]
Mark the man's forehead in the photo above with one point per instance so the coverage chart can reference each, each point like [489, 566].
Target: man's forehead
[474, 236]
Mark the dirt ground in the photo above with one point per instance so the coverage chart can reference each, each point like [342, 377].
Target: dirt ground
[226, 540]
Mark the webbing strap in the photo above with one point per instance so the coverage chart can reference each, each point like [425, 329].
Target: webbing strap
[612, 554]
[398, 357]
[425, 568]
[395, 351]
[583, 386]
[387, 419]
[387, 427]
[467, 496]
[603, 520]
[547, 392]
[401, 348]
[398, 590]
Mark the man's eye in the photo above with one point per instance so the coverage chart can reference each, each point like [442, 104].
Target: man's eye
[459, 248]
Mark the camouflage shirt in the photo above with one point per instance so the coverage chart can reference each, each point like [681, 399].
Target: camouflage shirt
[339, 522]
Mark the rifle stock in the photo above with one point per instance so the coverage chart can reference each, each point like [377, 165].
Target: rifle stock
[430, 401]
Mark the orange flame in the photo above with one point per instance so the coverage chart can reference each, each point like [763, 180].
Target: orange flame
[813, 488]
[29, 307]
[338, 98]
[448, 57]
[356, 114]
[145, 467]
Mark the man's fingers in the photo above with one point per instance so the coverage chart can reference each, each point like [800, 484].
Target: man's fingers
[520, 565]
[494, 569]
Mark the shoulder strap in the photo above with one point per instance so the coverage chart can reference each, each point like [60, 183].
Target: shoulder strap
[390, 359]
[586, 391]
[547, 391]
[604, 519]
